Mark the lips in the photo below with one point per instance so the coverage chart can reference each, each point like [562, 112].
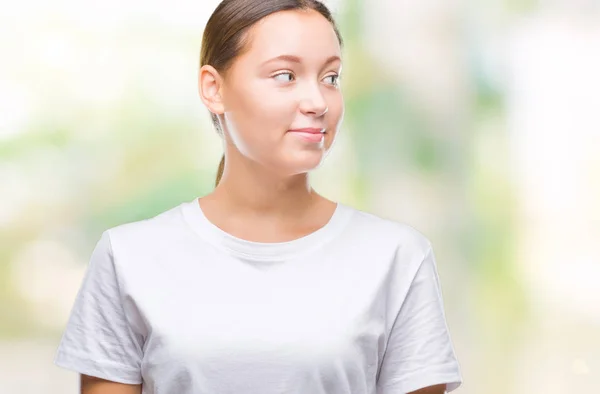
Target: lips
[310, 137]
[311, 130]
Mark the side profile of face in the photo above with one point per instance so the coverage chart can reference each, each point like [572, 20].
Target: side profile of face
[280, 102]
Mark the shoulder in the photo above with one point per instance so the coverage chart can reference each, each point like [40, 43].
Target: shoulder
[388, 231]
[391, 247]
[145, 233]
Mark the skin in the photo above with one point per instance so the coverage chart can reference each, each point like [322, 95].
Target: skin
[93, 385]
[265, 194]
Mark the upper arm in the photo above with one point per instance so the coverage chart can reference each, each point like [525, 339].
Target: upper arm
[99, 339]
[93, 385]
[437, 389]
[419, 353]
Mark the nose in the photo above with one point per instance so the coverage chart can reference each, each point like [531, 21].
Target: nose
[313, 102]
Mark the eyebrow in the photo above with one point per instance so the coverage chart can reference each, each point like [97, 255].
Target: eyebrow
[296, 59]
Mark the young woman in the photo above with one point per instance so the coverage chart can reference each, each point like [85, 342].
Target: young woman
[263, 286]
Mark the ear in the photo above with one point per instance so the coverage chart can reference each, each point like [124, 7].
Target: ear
[210, 87]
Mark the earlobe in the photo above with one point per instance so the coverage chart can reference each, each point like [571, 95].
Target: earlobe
[209, 87]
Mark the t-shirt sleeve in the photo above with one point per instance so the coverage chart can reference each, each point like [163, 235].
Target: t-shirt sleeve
[420, 352]
[98, 339]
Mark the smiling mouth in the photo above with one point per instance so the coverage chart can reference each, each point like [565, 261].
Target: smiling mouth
[310, 136]
[309, 130]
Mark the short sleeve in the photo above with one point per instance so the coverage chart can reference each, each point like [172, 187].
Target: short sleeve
[98, 340]
[420, 352]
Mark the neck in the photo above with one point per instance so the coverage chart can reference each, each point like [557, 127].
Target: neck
[248, 187]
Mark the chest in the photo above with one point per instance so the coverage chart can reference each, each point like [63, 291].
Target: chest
[313, 321]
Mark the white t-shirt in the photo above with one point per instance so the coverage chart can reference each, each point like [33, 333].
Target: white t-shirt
[179, 305]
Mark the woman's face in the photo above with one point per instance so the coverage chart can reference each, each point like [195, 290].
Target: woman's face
[285, 80]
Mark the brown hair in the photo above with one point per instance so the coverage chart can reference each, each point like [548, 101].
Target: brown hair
[224, 35]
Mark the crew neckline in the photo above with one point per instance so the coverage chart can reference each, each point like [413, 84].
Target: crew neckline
[263, 251]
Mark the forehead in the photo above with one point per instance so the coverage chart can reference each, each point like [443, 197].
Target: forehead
[303, 33]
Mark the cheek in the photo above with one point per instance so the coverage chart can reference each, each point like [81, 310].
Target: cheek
[258, 117]
[335, 115]
[336, 110]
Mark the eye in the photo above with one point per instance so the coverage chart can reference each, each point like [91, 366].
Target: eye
[333, 79]
[284, 77]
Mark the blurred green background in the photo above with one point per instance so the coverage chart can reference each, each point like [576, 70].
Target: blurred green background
[477, 123]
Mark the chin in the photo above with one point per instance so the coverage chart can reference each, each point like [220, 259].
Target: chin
[312, 165]
[303, 164]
